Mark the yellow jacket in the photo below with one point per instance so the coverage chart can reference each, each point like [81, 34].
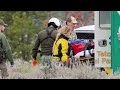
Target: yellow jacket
[62, 48]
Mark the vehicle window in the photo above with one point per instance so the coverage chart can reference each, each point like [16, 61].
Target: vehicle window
[104, 19]
[85, 35]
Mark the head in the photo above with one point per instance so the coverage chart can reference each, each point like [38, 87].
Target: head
[71, 22]
[2, 25]
[56, 23]
[65, 30]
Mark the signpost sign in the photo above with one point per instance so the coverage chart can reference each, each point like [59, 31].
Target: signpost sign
[115, 40]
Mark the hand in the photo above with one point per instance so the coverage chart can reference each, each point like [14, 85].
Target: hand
[34, 62]
[12, 63]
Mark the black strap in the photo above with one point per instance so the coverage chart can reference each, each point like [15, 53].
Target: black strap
[48, 35]
[84, 49]
[87, 47]
[1, 45]
[91, 54]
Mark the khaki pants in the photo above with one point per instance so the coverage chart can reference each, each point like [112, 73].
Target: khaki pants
[3, 69]
[47, 65]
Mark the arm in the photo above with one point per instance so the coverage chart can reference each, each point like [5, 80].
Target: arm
[7, 49]
[35, 48]
[64, 50]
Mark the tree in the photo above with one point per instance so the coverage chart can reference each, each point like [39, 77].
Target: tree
[23, 26]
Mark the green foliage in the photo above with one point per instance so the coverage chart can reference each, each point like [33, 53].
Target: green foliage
[23, 27]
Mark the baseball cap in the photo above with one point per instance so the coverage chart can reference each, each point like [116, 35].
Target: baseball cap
[2, 22]
[72, 19]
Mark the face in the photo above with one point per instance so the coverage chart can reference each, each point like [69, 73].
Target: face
[72, 25]
[2, 28]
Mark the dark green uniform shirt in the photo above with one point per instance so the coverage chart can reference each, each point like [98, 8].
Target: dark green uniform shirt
[6, 47]
[47, 44]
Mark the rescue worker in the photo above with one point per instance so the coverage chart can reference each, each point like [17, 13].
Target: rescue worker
[5, 51]
[61, 48]
[72, 23]
[45, 40]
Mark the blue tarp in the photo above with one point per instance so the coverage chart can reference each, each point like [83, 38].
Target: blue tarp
[79, 41]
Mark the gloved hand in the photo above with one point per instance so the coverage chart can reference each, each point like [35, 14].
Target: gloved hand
[12, 64]
[34, 62]
[68, 61]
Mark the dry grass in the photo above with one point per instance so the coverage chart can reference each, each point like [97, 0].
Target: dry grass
[24, 70]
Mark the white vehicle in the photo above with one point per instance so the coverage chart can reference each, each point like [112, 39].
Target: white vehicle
[85, 32]
[102, 39]
[106, 33]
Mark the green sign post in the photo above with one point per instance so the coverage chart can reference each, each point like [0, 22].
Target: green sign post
[115, 40]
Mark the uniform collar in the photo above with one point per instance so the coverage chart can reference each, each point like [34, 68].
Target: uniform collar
[63, 36]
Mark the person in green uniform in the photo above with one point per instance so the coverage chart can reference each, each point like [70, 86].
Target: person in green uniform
[5, 51]
[45, 40]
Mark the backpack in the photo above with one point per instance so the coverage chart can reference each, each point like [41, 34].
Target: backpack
[48, 36]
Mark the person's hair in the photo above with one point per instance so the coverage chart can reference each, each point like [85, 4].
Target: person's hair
[68, 18]
[53, 24]
[65, 30]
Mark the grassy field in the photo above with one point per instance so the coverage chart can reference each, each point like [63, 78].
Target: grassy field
[24, 70]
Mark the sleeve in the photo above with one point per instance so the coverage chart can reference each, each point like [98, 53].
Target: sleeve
[64, 50]
[7, 49]
[36, 46]
[54, 34]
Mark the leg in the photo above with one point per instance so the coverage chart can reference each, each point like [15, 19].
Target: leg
[3, 69]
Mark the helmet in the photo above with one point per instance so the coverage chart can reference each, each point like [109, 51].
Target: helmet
[56, 21]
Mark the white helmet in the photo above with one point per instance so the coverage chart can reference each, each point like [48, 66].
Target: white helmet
[56, 21]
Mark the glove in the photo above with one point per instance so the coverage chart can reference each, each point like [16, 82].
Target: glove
[34, 62]
[68, 61]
